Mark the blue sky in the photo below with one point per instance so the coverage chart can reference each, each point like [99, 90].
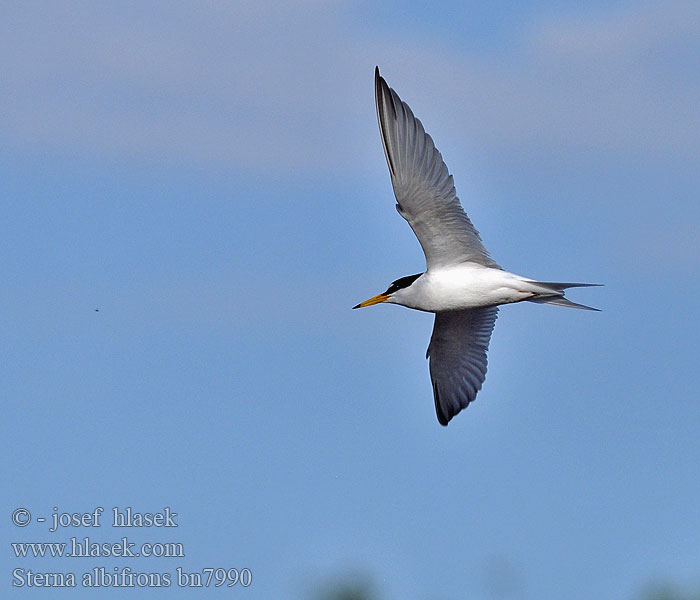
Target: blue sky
[210, 177]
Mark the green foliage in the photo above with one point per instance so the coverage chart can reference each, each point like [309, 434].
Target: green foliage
[666, 591]
[348, 588]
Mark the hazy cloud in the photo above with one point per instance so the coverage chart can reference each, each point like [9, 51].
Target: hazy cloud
[288, 86]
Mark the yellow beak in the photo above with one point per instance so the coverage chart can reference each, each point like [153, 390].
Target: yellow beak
[371, 301]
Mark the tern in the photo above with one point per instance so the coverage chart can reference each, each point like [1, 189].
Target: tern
[462, 284]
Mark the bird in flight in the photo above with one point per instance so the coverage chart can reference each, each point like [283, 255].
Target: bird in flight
[462, 285]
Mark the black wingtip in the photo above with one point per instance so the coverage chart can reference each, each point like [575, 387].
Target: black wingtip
[442, 418]
[378, 81]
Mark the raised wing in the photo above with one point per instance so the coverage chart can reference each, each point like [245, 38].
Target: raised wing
[457, 353]
[423, 186]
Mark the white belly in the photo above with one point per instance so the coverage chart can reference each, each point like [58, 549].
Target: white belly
[464, 286]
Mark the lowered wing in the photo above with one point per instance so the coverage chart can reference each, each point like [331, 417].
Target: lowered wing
[457, 353]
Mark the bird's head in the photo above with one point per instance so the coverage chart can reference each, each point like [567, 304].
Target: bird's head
[393, 292]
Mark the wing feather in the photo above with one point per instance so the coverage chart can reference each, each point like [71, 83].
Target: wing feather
[458, 362]
[423, 186]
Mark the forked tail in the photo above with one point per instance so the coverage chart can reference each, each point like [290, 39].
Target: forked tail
[553, 293]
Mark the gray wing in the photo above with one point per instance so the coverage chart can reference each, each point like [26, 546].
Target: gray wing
[423, 186]
[457, 353]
